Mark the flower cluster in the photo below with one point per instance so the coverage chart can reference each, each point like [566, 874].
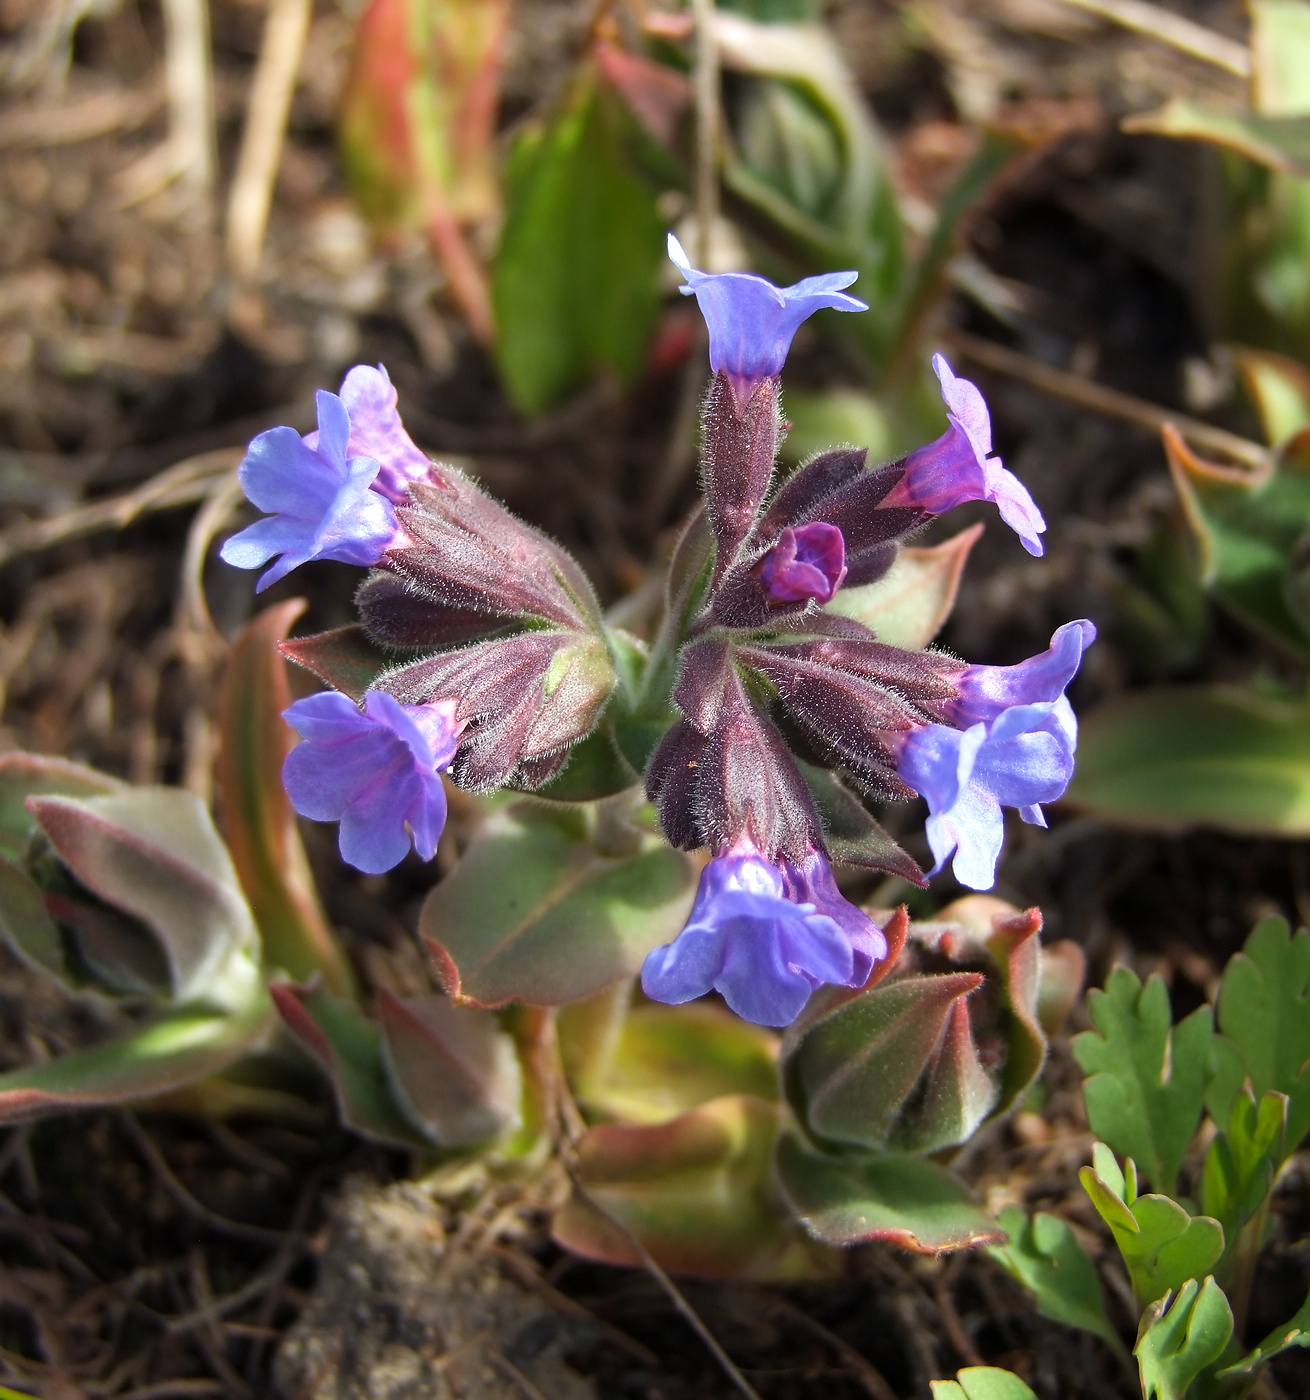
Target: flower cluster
[496, 660]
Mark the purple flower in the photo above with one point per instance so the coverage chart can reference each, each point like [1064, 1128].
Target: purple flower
[1020, 758]
[376, 431]
[751, 321]
[987, 690]
[959, 467]
[807, 562]
[811, 882]
[320, 499]
[375, 771]
[755, 937]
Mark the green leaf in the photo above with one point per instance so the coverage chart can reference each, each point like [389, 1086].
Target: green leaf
[1177, 1342]
[534, 913]
[1242, 1162]
[256, 816]
[24, 775]
[982, 1383]
[160, 1057]
[153, 854]
[344, 658]
[1280, 391]
[1280, 57]
[451, 1068]
[1170, 758]
[854, 836]
[892, 1196]
[697, 1191]
[819, 420]
[26, 924]
[349, 1049]
[1161, 1245]
[673, 1058]
[1281, 143]
[595, 769]
[1043, 1253]
[864, 1075]
[1235, 1379]
[1147, 1082]
[1247, 526]
[575, 282]
[909, 604]
[1264, 1010]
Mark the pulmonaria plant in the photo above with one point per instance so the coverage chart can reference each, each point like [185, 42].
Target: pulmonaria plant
[759, 722]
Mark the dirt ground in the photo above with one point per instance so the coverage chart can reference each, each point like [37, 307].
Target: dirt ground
[127, 349]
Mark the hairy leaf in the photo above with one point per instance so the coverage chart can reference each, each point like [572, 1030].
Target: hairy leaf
[349, 1049]
[159, 1058]
[451, 1067]
[154, 854]
[24, 775]
[697, 1191]
[892, 1196]
[534, 913]
[910, 603]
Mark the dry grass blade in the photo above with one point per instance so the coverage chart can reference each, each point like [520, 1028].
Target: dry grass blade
[864, 1371]
[1178, 32]
[189, 71]
[271, 91]
[82, 120]
[186, 483]
[1088, 394]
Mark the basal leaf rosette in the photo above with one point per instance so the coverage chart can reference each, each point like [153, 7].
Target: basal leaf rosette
[129, 892]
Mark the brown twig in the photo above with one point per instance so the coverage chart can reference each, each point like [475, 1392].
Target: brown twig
[864, 1371]
[1100, 399]
[271, 90]
[672, 1292]
[183, 1198]
[189, 75]
[181, 485]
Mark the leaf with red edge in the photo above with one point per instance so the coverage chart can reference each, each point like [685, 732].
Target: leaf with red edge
[24, 775]
[255, 813]
[909, 604]
[697, 1191]
[153, 853]
[893, 1196]
[159, 1058]
[418, 114]
[348, 1046]
[535, 913]
[451, 1067]
[344, 658]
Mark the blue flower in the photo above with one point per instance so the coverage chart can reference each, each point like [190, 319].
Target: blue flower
[752, 322]
[987, 690]
[959, 466]
[808, 561]
[320, 499]
[1020, 758]
[754, 937]
[375, 771]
